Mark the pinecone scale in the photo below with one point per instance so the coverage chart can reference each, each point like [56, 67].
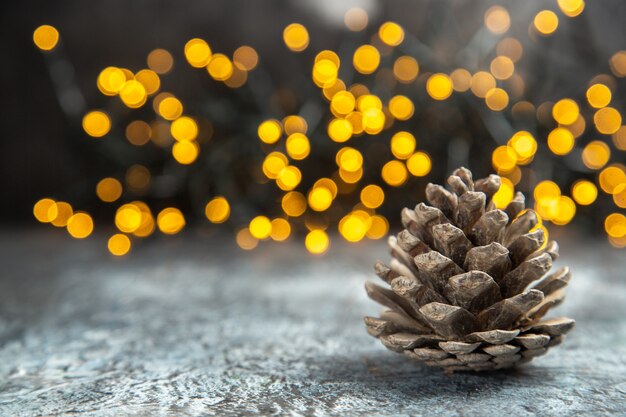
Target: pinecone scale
[469, 283]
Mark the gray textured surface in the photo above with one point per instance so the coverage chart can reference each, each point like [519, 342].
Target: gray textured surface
[189, 327]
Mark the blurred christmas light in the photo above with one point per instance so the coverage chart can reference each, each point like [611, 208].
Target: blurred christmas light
[296, 37]
[119, 244]
[316, 151]
[46, 37]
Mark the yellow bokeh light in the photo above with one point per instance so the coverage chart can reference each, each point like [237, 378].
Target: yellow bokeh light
[584, 192]
[96, 123]
[185, 152]
[571, 8]
[405, 69]
[150, 80]
[170, 108]
[128, 74]
[373, 121]
[128, 218]
[340, 130]
[184, 129]
[403, 145]
[560, 141]
[296, 37]
[156, 101]
[394, 173]
[327, 183]
[524, 145]
[497, 20]
[138, 132]
[401, 107]
[133, 94]
[342, 103]
[45, 210]
[461, 79]
[281, 229]
[170, 221]
[391, 33]
[110, 81]
[269, 131]
[505, 193]
[372, 196]
[247, 57]
[351, 177]
[502, 67]
[618, 64]
[46, 37]
[353, 228]
[565, 111]
[317, 242]
[220, 67]
[607, 120]
[350, 159]
[198, 53]
[217, 210]
[504, 159]
[356, 121]
[325, 73]
[298, 146]
[596, 154]
[320, 198]
[60, 213]
[598, 96]
[419, 164]
[482, 83]
[273, 164]
[546, 22]
[369, 101]
[615, 225]
[515, 176]
[329, 55]
[119, 244]
[295, 124]
[245, 240]
[293, 204]
[333, 88]
[546, 190]
[260, 227]
[612, 177]
[378, 228]
[80, 225]
[497, 99]
[160, 61]
[366, 59]
[566, 209]
[550, 205]
[289, 178]
[146, 228]
[439, 86]
[109, 190]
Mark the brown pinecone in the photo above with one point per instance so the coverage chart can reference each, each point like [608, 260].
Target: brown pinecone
[468, 284]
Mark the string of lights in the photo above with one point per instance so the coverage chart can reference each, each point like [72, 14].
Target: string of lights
[373, 123]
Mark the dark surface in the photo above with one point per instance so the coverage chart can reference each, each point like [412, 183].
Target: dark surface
[187, 326]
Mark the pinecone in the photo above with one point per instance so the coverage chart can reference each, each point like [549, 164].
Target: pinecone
[468, 290]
